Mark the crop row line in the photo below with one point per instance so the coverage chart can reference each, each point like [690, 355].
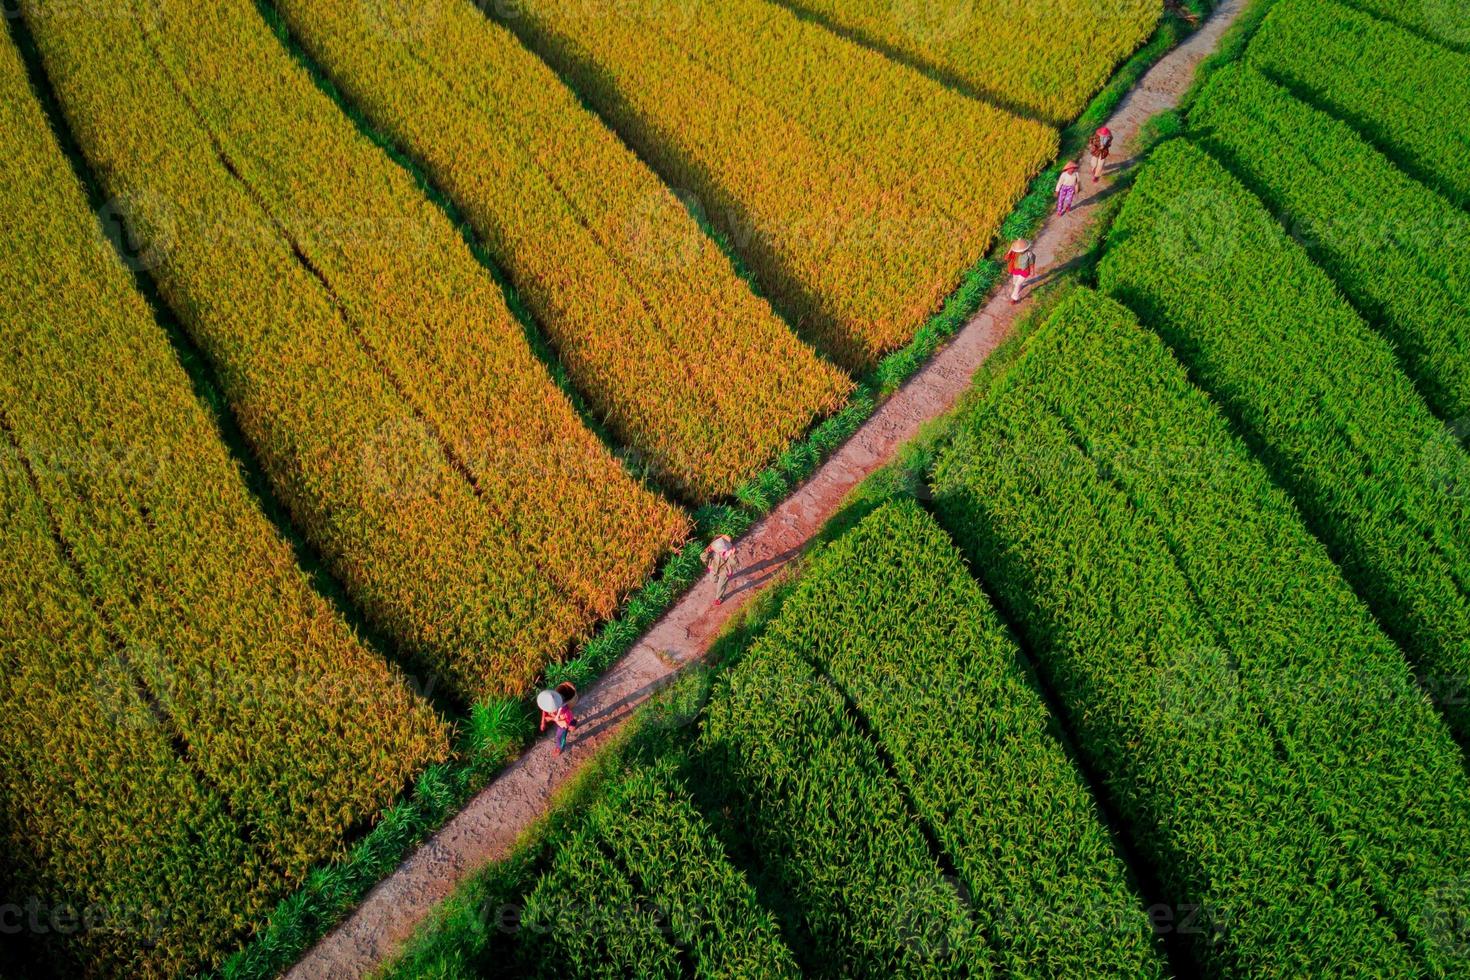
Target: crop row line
[679, 117]
[204, 382]
[117, 644]
[565, 196]
[1360, 737]
[1445, 24]
[272, 12]
[187, 721]
[1374, 472]
[435, 320]
[1267, 702]
[1370, 73]
[451, 456]
[891, 617]
[687, 366]
[1397, 249]
[299, 253]
[1153, 698]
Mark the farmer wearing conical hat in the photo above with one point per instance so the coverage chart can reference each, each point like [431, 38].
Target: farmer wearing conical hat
[1020, 263]
[554, 709]
[1097, 150]
[1067, 187]
[719, 559]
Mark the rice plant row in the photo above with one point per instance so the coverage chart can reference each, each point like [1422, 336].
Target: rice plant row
[1317, 394]
[805, 796]
[692, 369]
[1446, 22]
[847, 182]
[102, 821]
[1401, 92]
[891, 614]
[641, 888]
[372, 363]
[1399, 251]
[1044, 60]
[150, 606]
[1186, 748]
[1376, 759]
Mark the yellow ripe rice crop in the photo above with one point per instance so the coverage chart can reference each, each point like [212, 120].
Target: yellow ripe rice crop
[145, 602]
[99, 812]
[691, 369]
[372, 363]
[858, 190]
[1043, 59]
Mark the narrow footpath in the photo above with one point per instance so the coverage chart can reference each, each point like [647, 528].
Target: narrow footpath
[488, 827]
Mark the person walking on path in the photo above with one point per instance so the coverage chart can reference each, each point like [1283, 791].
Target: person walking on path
[1097, 151]
[1067, 187]
[1020, 263]
[719, 559]
[555, 710]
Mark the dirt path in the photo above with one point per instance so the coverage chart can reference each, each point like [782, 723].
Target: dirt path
[489, 825]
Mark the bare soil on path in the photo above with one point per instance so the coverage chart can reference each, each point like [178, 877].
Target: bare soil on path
[488, 827]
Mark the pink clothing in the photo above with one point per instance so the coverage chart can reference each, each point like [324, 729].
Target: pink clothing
[561, 717]
[1065, 197]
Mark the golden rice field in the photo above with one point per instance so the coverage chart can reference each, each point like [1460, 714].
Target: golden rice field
[628, 288]
[820, 159]
[186, 723]
[374, 366]
[361, 359]
[1042, 59]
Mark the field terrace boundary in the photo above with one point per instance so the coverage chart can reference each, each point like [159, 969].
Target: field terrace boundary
[489, 826]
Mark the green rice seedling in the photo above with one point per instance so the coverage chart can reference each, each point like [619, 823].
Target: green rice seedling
[1399, 251]
[1403, 93]
[808, 795]
[1375, 759]
[1317, 394]
[890, 613]
[1249, 871]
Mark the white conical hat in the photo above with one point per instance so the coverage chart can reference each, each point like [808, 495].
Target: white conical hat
[549, 701]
